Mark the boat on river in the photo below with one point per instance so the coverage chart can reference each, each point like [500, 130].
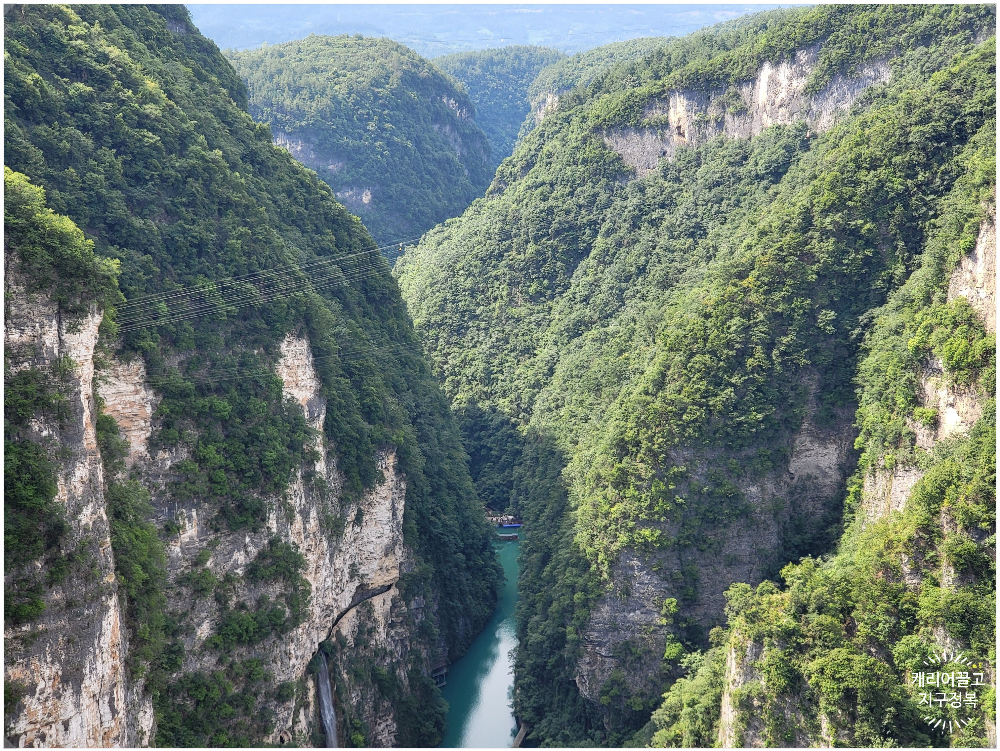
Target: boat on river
[506, 521]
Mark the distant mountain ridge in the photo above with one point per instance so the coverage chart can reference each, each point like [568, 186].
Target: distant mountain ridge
[394, 137]
[433, 30]
[498, 81]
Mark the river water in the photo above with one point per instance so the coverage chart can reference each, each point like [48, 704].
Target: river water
[479, 684]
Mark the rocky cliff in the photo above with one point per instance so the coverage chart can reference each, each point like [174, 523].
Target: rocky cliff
[955, 407]
[759, 703]
[804, 496]
[776, 95]
[353, 551]
[72, 663]
[70, 666]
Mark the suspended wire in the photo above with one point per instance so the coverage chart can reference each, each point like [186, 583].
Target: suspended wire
[266, 275]
[270, 276]
[214, 301]
[288, 268]
[240, 301]
[236, 299]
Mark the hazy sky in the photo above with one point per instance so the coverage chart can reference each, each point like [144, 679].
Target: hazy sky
[439, 29]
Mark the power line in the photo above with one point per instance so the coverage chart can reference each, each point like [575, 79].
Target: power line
[213, 299]
[291, 285]
[249, 278]
[241, 301]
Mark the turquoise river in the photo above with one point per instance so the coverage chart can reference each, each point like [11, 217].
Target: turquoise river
[479, 684]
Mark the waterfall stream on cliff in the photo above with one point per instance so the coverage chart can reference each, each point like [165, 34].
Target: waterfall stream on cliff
[479, 684]
[326, 710]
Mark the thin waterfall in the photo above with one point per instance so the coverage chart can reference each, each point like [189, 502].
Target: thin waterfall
[326, 711]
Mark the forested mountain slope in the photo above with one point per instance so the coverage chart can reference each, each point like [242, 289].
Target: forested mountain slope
[827, 660]
[497, 81]
[225, 451]
[652, 330]
[395, 139]
[581, 69]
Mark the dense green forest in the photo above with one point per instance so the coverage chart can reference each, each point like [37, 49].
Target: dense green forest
[844, 631]
[583, 67]
[137, 129]
[394, 137]
[627, 355]
[497, 82]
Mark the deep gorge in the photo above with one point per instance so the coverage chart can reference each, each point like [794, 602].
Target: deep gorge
[720, 331]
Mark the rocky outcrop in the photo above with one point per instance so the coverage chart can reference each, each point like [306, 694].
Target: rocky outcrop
[976, 275]
[131, 402]
[302, 146]
[734, 731]
[357, 198]
[804, 494]
[351, 550]
[462, 112]
[543, 105]
[957, 407]
[777, 95]
[70, 663]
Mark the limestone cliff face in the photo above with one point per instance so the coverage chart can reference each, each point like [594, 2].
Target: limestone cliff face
[805, 494]
[885, 491]
[739, 728]
[354, 552]
[71, 662]
[302, 146]
[976, 275]
[777, 95]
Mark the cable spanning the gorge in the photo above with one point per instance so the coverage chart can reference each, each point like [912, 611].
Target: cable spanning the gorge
[264, 286]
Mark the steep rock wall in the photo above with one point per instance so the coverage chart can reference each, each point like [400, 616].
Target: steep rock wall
[884, 492]
[805, 493]
[775, 96]
[71, 662]
[352, 550]
[976, 275]
[957, 407]
[302, 146]
[122, 387]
